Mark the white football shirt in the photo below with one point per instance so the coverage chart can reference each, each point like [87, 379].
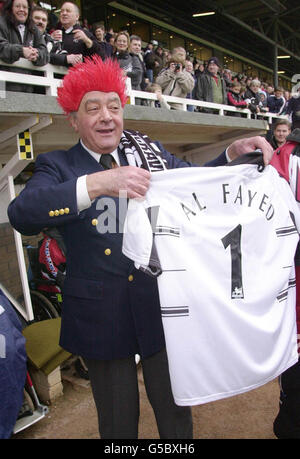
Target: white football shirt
[224, 241]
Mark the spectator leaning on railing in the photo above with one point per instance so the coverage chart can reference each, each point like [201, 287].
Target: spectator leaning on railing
[175, 81]
[76, 42]
[19, 37]
[160, 102]
[264, 101]
[235, 98]
[210, 85]
[252, 96]
[276, 101]
[135, 50]
[99, 32]
[129, 62]
[40, 17]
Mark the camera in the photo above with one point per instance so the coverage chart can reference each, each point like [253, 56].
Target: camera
[253, 105]
[177, 67]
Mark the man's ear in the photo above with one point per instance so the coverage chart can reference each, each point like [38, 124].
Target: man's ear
[73, 121]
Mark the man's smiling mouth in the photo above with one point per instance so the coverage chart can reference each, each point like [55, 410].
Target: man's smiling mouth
[105, 131]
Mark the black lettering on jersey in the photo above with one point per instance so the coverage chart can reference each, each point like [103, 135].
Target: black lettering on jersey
[251, 197]
[197, 202]
[225, 192]
[270, 212]
[239, 196]
[233, 240]
[188, 212]
[263, 202]
[248, 197]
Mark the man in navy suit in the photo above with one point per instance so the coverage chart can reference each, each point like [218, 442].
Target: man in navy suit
[111, 311]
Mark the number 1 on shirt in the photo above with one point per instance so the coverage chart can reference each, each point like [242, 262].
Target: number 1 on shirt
[233, 239]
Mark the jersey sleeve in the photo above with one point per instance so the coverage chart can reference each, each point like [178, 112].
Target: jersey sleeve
[138, 238]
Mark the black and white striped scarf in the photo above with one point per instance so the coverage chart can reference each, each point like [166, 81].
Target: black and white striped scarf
[140, 151]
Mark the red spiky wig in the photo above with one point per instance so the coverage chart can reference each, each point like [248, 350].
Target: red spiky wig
[91, 75]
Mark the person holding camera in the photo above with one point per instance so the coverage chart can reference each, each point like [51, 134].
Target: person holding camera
[175, 80]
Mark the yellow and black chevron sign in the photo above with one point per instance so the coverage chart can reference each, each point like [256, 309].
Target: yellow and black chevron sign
[25, 145]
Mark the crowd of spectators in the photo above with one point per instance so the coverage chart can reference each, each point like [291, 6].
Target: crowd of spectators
[26, 30]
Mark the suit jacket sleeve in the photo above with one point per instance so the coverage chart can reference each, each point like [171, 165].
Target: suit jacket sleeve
[46, 191]
[57, 58]
[220, 160]
[96, 48]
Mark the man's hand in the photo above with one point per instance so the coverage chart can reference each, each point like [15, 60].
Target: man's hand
[57, 35]
[80, 35]
[30, 53]
[133, 180]
[242, 146]
[175, 67]
[74, 59]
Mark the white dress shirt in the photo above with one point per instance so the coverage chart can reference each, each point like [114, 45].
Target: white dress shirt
[21, 28]
[83, 199]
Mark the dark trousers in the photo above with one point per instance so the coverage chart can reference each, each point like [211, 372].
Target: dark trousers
[287, 422]
[115, 389]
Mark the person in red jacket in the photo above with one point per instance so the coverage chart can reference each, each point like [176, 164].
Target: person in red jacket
[286, 160]
[234, 97]
[52, 259]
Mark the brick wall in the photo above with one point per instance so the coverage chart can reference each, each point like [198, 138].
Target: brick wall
[9, 268]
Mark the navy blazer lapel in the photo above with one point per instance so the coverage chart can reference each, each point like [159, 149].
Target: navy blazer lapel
[82, 161]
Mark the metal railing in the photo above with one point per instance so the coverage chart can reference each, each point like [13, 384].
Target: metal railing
[51, 80]
[48, 80]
